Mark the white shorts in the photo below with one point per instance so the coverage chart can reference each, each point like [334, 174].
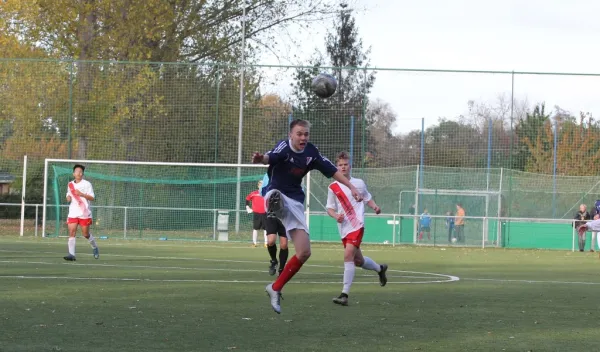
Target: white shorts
[293, 213]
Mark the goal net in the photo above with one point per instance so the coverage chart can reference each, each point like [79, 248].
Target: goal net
[478, 206]
[153, 200]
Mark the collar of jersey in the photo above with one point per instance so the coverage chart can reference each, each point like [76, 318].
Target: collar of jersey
[292, 147]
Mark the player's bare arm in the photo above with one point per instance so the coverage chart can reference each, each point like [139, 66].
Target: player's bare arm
[374, 206]
[258, 158]
[83, 195]
[338, 176]
[338, 217]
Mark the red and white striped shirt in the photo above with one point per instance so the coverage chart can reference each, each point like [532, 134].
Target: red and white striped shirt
[339, 198]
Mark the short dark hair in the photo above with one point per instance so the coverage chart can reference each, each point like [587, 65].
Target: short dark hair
[342, 156]
[79, 166]
[301, 122]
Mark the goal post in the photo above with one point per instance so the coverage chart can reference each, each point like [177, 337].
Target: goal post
[485, 206]
[152, 200]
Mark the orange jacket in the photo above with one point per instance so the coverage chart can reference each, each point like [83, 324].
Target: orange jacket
[459, 219]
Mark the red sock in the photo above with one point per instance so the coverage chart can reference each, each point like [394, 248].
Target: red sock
[291, 268]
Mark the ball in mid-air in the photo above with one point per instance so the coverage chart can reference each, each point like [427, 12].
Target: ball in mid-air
[324, 85]
[453, 239]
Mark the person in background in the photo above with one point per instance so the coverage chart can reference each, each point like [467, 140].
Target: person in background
[449, 225]
[425, 225]
[459, 223]
[255, 204]
[581, 217]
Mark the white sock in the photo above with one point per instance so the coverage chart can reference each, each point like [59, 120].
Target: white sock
[92, 241]
[254, 236]
[266, 237]
[348, 276]
[369, 264]
[71, 244]
[598, 238]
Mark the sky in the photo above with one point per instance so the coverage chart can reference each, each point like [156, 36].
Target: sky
[509, 35]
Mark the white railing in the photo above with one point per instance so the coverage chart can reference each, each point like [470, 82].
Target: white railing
[474, 223]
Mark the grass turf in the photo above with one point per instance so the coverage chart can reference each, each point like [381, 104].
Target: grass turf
[176, 296]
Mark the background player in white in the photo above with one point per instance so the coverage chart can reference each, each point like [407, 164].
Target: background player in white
[80, 193]
[350, 217]
[289, 162]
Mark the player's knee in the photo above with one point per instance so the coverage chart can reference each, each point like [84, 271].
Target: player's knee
[303, 255]
[270, 240]
[283, 246]
[359, 262]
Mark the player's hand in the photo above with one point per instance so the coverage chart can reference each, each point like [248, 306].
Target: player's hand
[79, 193]
[257, 158]
[597, 216]
[68, 198]
[356, 194]
[248, 210]
[377, 210]
[339, 218]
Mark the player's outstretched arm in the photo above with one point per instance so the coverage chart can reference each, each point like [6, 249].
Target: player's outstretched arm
[258, 158]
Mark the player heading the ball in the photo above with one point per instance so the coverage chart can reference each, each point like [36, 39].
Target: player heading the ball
[289, 161]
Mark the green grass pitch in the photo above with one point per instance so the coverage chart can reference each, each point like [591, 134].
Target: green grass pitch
[208, 296]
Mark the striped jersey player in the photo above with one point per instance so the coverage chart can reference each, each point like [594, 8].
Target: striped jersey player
[350, 216]
[80, 194]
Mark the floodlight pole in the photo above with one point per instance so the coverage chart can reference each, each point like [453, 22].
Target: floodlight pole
[240, 124]
[555, 130]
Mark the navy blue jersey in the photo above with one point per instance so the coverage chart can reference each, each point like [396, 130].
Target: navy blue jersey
[287, 168]
[596, 207]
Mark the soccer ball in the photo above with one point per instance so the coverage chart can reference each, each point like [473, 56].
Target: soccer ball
[324, 85]
[453, 239]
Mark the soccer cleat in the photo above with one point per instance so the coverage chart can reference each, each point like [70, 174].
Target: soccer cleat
[275, 296]
[96, 253]
[341, 300]
[273, 267]
[381, 273]
[69, 258]
[275, 205]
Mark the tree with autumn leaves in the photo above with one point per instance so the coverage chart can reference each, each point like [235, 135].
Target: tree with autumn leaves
[577, 148]
[186, 107]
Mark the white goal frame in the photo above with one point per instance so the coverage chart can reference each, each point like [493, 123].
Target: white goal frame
[453, 192]
[120, 162]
